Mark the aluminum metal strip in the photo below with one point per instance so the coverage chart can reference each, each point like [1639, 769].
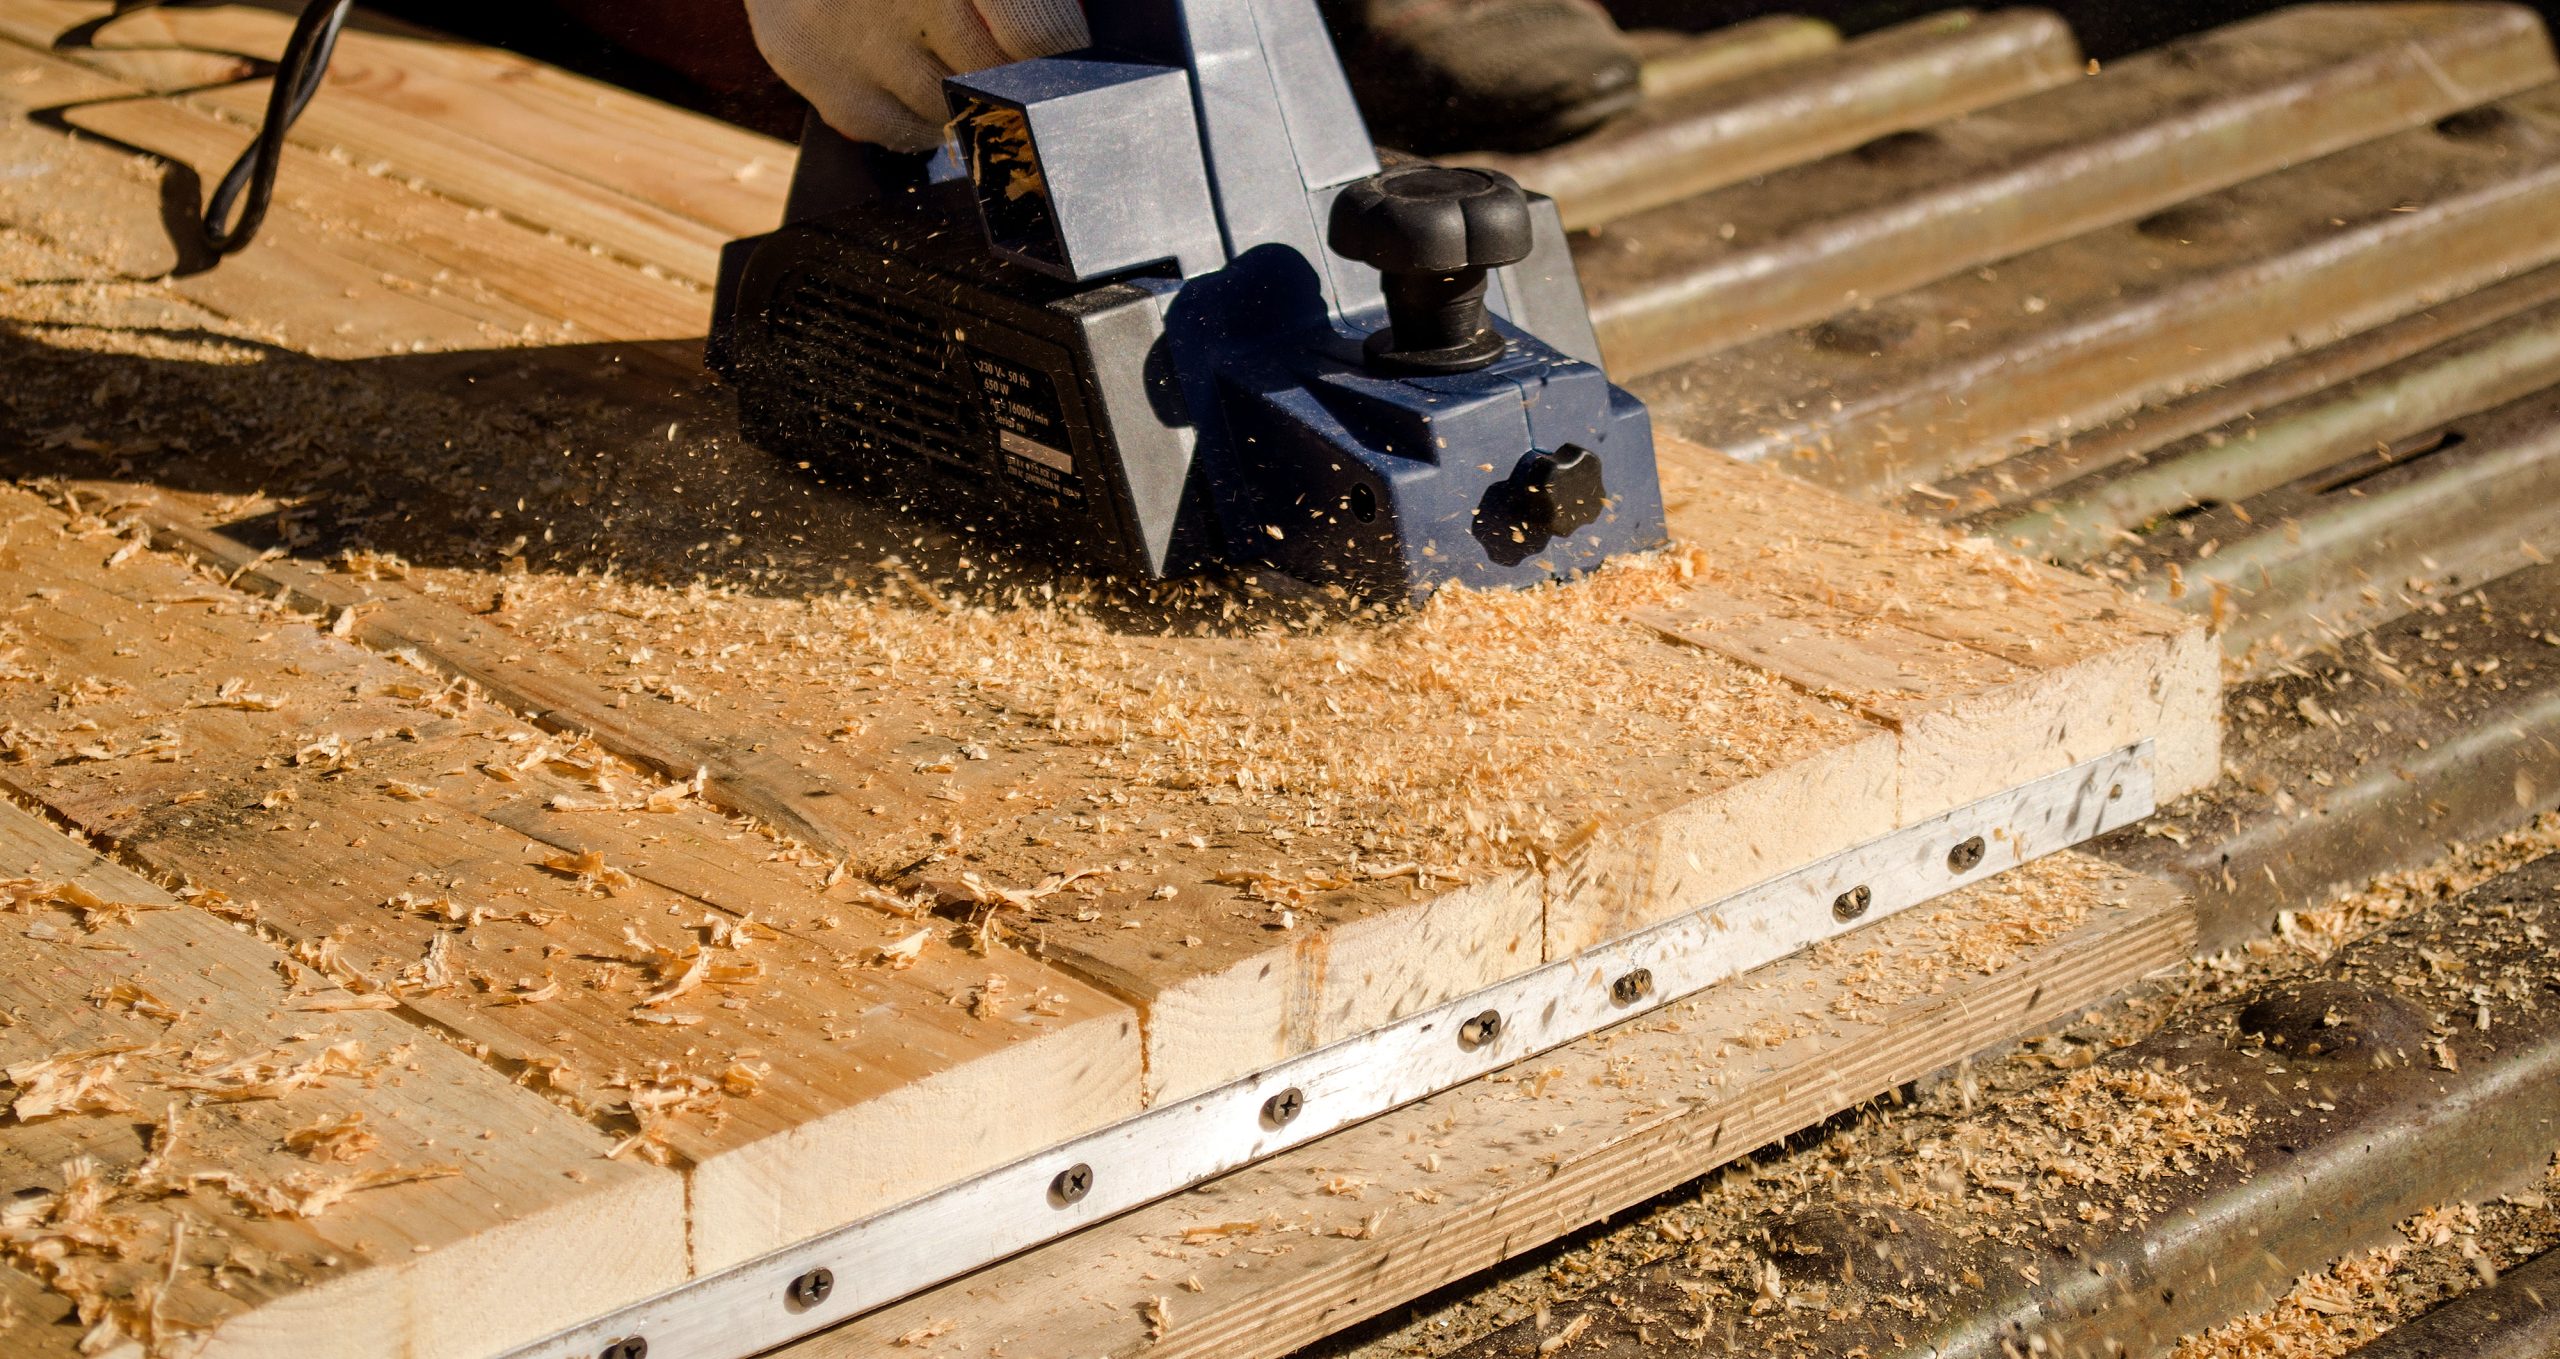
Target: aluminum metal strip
[779, 1297]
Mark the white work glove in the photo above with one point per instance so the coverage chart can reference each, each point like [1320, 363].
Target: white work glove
[873, 68]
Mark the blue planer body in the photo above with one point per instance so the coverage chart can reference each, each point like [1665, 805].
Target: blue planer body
[1158, 308]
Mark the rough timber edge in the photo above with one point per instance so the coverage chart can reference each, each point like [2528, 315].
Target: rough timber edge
[750, 1308]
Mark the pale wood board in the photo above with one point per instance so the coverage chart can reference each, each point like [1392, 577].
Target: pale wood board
[1445, 1187]
[537, 1230]
[883, 1076]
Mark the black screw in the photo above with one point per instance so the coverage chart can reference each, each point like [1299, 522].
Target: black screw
[628, 1347]
[1073, 1183]
[1282, 1109]
[1633, 987]
[1482, 1029]
[1853, 903]
[812, 1288]
[1965, 857]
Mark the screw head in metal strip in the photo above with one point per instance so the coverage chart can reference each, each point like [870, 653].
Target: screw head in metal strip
[1482, 1029]
[1853, 903]
[628, 1347]
[1282, 1109]
[1632, 987]
[1072, 1184]
[812, 1288]
[1966, 856]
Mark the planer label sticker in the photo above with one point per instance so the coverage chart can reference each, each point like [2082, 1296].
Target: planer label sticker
[1031, 426]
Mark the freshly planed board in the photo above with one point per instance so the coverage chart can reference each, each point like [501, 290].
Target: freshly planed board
[1196, 834]
[266, 1173]
[693, 988]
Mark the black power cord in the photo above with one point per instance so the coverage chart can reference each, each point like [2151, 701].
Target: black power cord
[252, 179]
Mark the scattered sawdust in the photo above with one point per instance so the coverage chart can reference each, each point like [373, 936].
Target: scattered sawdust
[2322, 930]
[2323, 1316]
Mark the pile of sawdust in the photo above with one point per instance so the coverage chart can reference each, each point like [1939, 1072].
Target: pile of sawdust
[1479, 729]
[2324, 1315]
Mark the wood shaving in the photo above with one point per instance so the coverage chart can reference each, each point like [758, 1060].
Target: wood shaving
[925, 1334]
[684, 981]
[341, 1002]
[591, 871]
[277, 1072]
[96, 912]
[307, 1194]
[333, 1137]
[235, 693]
[82, 1082]
[902, 954]
[136, 999]
[451, 912]
[1555, 1344]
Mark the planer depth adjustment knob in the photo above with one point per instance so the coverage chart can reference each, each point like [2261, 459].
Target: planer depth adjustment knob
[1431, 232]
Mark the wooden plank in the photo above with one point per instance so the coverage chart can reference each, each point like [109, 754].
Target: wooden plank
[1716, 775]
[1269, 1259]
[1235, 998]
[480, 126]
[242, 1252]
[2100, 671]
[815, 1086]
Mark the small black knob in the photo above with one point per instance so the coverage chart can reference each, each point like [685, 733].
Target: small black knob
[1561, 491]
[1432, 231]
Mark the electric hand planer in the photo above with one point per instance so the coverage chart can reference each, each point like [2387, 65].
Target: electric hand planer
[1157, 308]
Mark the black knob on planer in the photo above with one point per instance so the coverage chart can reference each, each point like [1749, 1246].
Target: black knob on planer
[1431, 232]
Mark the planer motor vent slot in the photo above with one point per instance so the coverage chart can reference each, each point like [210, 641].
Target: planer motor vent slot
[881, 376]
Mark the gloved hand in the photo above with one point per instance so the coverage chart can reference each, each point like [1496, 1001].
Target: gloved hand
[873, 68]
